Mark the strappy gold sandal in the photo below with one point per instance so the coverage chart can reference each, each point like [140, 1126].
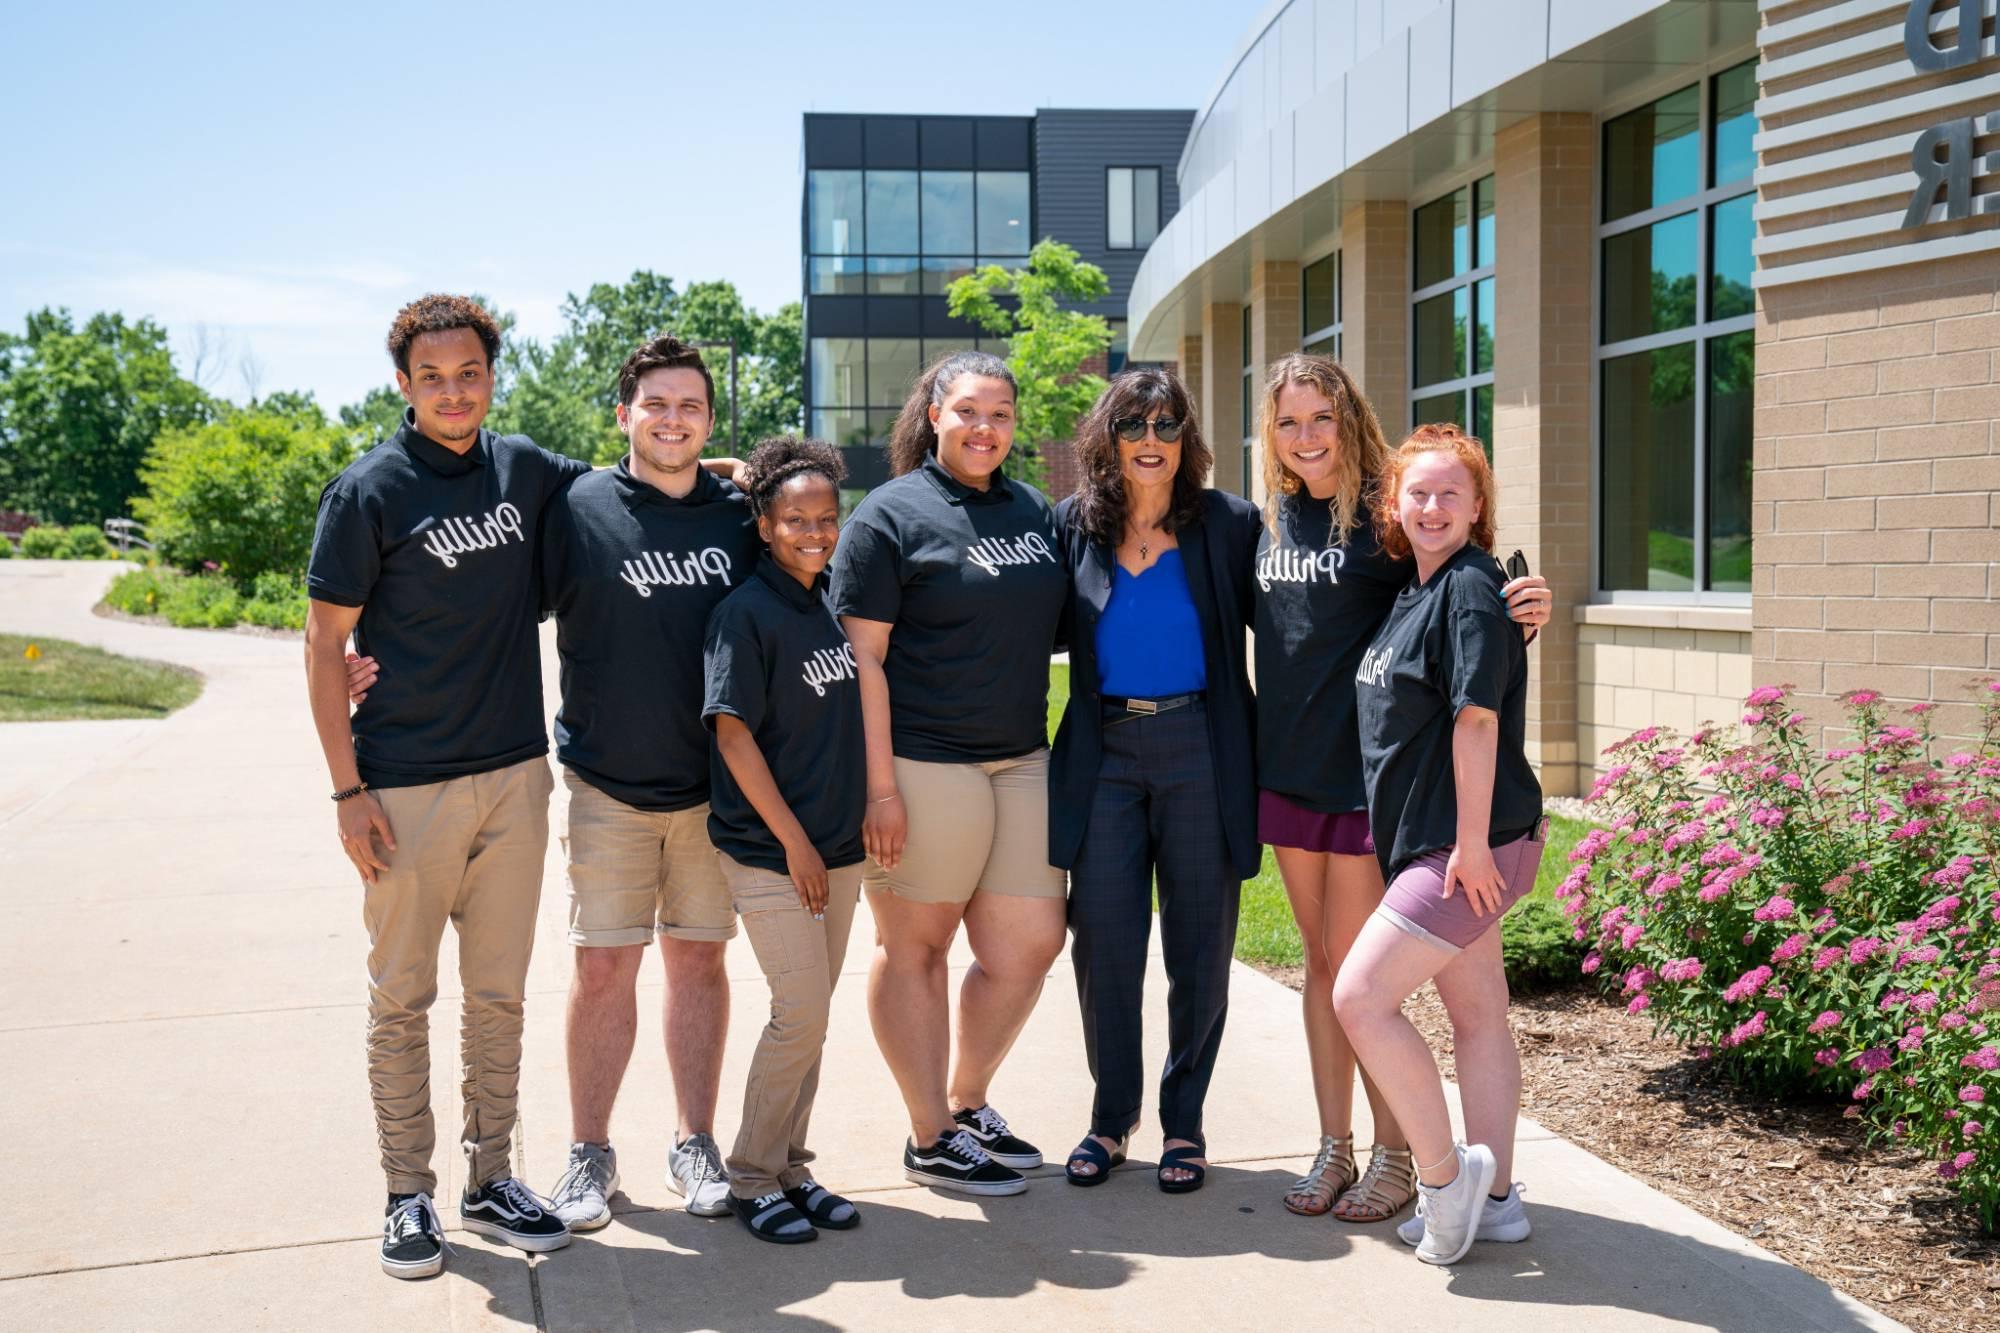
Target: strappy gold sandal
[1385, 1188]
[1333, 1170]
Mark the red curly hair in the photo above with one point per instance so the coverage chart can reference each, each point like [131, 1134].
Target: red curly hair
[1438, 439]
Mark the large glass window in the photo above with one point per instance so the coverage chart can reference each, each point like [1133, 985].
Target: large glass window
[834, 206]
[1452, 321]
[1003, 213]
[1676, 353]
[899, 233]
[1321, 288]
[1131, 207]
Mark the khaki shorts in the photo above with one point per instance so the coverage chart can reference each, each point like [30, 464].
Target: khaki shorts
[973, 828]
[633, 872]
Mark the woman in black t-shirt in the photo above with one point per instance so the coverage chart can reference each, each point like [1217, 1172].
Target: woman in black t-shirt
[1456, 817]
[782, 700]
[1323, 586]
[949, 585]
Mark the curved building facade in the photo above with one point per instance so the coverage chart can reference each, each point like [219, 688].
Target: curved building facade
[1714, 279]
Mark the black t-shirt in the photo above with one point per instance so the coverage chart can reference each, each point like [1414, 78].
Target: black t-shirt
[632, 575]
[438, 550]
[776, 659]
[1319, 604]
[1446, 645]
[973, 583]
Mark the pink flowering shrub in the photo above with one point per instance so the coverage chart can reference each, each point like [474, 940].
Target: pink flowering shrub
[1814, 921]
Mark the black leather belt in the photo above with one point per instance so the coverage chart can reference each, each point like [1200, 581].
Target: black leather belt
[1129, 708]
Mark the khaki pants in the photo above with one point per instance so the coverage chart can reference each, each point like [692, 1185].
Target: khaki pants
[801, 959]
[468, 851]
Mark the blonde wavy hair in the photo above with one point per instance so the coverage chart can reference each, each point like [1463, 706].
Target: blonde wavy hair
[1360, 455]
[1439, 439]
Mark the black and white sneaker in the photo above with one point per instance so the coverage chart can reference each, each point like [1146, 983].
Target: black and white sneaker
[987, 1126]
[956, 1162]
[412, 1237]
[509, 1211]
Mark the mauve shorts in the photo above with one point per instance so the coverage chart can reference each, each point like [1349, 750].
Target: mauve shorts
[1415, 900]
[1283, 822]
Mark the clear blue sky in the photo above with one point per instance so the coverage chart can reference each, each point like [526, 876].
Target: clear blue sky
[288, 175]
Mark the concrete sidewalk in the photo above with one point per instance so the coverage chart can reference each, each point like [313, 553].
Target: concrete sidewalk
[181, 1022]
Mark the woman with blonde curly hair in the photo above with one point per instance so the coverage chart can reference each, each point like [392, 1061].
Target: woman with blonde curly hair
[1456, 816]
[1324, 584]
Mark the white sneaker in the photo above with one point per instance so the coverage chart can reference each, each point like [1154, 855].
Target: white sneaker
[1452, 1212]
[694, 1171]
[582, 1197]
[1499, 1220]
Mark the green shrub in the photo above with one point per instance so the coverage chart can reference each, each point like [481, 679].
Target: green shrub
[241, 493]
[277, 601]
[201, 601]
[45, 542]
[138, 592]
[6, 549]
[86, 542]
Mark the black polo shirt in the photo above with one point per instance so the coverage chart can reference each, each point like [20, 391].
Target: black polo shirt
[776, 659]
[973, 584]
[1446, 645]
[1318, 605]
[438, 550]
[631, 575]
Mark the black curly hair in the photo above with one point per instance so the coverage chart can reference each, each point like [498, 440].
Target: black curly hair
[777, 460]
[441, 313]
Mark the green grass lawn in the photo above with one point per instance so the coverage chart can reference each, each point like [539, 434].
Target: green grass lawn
[71, 681]
[1534, 935]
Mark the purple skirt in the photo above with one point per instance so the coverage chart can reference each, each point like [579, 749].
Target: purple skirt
[1283, 822]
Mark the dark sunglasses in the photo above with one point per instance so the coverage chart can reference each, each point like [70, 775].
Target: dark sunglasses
[1133, 429]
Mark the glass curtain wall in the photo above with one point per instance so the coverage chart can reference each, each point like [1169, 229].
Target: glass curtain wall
[1319, 284]
[1451, 316]
[899, 233]
[1676, 351]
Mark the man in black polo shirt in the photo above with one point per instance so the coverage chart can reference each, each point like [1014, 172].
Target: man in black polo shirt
[425, 552]
[635, 558]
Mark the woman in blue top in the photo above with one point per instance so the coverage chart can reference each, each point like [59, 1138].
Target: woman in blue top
[1151, 779]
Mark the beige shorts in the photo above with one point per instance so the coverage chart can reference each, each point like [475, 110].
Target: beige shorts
[635, 872]
[973, 828]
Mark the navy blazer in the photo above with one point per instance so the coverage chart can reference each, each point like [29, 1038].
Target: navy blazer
[1220, 555]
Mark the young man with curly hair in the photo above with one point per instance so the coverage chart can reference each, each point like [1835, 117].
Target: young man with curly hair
[425, 552]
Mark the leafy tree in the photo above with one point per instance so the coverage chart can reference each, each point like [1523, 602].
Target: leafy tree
[241, 492]
[1049, 344]
[78, 409]
[376, 417]
[562, 395]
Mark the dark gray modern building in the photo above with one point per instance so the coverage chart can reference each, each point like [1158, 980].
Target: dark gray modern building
[896, 207]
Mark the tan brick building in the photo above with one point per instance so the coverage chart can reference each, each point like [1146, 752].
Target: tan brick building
[1715, 280]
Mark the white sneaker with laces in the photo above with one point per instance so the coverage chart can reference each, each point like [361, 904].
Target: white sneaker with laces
[694, 1171]
[1503, 1220]
[1452, 1212]
[582, 1198]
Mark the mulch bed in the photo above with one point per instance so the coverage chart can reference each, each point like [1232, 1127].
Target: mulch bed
[1796, 1178]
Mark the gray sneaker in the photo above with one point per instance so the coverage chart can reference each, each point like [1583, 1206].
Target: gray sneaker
[694, 1171]
[583, 1196]
[1503, 1220]
[1452, 1212]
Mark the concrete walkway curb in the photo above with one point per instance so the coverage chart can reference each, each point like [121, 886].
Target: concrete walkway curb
[181, 1017]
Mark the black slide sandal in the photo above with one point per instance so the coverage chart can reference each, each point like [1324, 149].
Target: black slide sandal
[1178, 1159]
[1091, 1151]
[773, 1217]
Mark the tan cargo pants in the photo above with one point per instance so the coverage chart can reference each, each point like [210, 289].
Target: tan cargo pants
[468, 851]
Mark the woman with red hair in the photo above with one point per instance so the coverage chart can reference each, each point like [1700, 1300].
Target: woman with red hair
[1456, 816]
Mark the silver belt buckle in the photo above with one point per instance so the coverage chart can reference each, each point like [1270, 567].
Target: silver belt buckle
[1141, 706]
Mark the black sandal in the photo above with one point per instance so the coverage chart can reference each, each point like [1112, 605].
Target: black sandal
[822, 1207]
[1177, 1159]
[773, 1217]
[1091, 1151]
